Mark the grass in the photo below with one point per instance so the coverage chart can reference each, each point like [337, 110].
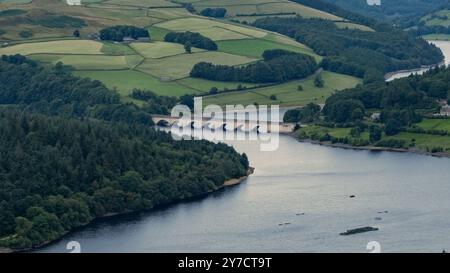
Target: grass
[240, 7]
[94, 62]
[179, 66]
[142, 3]
[156, 50]
[287, 94]
[157, 34]
[56, 47]
[205, 85]
[127, 80]
[256, 47]
[424, 142]
[116, 49]
[212, 29]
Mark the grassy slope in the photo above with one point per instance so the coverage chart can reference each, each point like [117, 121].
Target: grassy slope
[287, 94]
[144, 65]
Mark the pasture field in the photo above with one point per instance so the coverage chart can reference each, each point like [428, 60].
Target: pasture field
[157, 50]
[435, 124]
[212, 29]
[55, 47]
[256, 47]
[142, 3]
[127, 80]
[91, 62]
[116, 49]
[421, 142]
[287, 94]
[250, 7]
[179, 66]
[205, 85]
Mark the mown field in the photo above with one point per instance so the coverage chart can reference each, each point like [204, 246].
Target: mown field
[159, 66]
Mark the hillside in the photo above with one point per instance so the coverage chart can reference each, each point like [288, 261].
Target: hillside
[43, 30]
[390, 9]
[51, 31]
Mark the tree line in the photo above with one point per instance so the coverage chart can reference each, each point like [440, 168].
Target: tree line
[194, 39]
[278, 66]
[368, 54]
[118, 33]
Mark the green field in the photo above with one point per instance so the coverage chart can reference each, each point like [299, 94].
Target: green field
[179, 66]
[157, 50]
[159, 66]
[243, 7]
[435, 124]
[287, 94]
[127, 80]
[256, 47]
[437, 37]
[215, 30]
[55, 47]
[205, 85]
[421, 142]
[91, 62]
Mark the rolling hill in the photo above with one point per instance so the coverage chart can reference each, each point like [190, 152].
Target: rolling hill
[43, 30]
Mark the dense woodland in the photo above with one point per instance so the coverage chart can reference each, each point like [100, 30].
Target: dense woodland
[57, 173]
[356, 52]
[194, 39]
[71, 152]
[214, 12]
[118, 33]
[401, 100]
[278, 66]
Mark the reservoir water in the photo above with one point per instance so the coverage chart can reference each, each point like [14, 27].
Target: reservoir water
[298, 200]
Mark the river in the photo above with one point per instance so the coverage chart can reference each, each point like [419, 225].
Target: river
[298, 200]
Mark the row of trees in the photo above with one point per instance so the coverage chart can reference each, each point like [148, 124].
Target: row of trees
[193, 39]
[277, 66]
[118, 33]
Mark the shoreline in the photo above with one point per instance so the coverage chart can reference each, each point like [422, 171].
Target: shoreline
[369, 148]
[226, 184]
[424, 68]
